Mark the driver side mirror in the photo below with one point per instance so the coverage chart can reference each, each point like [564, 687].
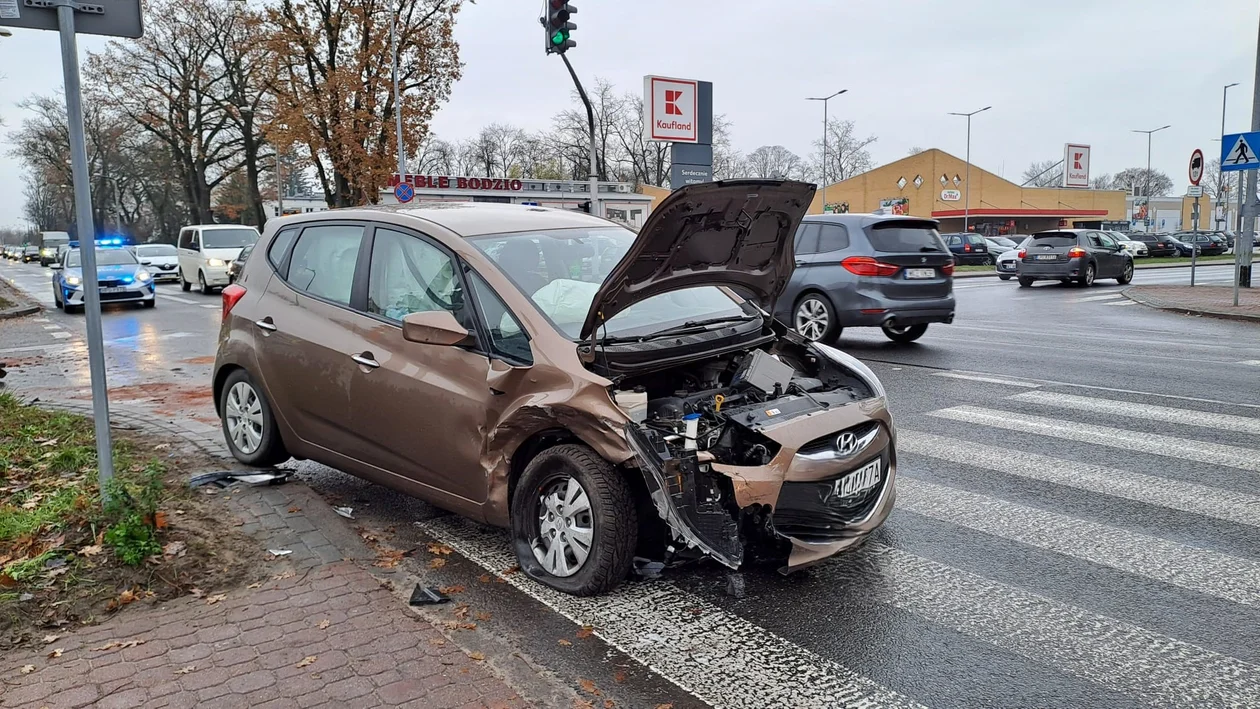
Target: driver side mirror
[435, 327]
[56, 265]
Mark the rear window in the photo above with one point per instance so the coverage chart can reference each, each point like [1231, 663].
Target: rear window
[894, 236]
[1054, 239]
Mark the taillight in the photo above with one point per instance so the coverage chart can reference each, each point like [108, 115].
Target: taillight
[966, 247]
[231, 294]
[948, 269]
[1076, 252]
[1022, 253]
[867, 266]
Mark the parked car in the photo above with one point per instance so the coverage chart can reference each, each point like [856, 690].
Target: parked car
[1210, 244]
[864, 270]
[1137, 248]
[1008, 261]
[999, 245]
[1156, 244]
[120, 278]
[30, 252]
[161, 259]
[234, 268]
[519, 365]
[205, 250]
[1183, 249]
[968, 249]
[1067, 255]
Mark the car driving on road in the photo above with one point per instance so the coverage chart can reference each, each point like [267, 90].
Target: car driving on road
[603, 395]
[1008, 261]
[120, 278]
[1080, 255]
[868, 270]
[162, 260]
[205, 251]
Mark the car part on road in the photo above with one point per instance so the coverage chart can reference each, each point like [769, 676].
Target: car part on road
[427, 596]
[224, 478]
[347, 512]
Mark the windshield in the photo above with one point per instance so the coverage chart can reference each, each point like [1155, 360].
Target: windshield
[228, 238]
[104, 257]
[156, 250]
[561, 271]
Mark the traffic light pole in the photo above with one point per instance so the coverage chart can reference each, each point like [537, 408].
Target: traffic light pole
[1244, 241]
[590, 120]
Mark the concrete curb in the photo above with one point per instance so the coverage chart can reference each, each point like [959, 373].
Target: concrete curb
[1173, 308]
[24, 306]
[1140, 267]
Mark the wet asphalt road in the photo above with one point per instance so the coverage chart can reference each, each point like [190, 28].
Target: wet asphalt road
[1078, 520]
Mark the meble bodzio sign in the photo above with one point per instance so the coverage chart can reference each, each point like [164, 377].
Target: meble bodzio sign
[672, 107]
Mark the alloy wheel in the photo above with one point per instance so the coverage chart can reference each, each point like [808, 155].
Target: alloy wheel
[243, 411]
[811, 319]
[565, 527]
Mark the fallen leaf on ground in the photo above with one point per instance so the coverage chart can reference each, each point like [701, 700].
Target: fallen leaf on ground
[448, 590]
[477, 656]
[511, 570]
[586, 631]
[185, 670]
[56, 653]
[442, 549]
[664, 706]
[159, 520]
[437, 642]
[484, 578]
[619, 676]
[294, 509]
[582, 704]
[324, 623]
[255, 585]
[388, 558]
[608, 704]
[437, 562]
[27, 669]
[49, 639]
[588, 686]
[308, 660]
[196, 592]
[7, 581]
[91, 550]
[460, 611]
[286, 575]
[564, 642]
[126, 597]
[215, 598]
[482, 616]
[120, 644]
[175, 548]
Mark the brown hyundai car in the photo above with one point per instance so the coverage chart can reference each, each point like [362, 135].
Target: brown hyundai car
[599, 393]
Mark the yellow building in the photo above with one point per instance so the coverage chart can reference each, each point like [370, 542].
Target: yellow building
[933, 184]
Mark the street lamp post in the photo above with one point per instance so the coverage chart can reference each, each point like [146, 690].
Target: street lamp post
[398, 128]
[967, 187]
[1146, 189]
[824, 100]
[1220, 182]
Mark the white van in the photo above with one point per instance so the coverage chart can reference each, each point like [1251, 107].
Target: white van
[205, 250]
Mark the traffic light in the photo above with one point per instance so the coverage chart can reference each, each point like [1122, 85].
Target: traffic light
[558, 26]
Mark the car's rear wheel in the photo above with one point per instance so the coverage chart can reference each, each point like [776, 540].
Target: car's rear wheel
[909, 333]
[248, 424]
[1004, 277]
[1087, 279]
[574, 524]
[815, 319]
[1126, 276]
[1025, 282]
[184, 285]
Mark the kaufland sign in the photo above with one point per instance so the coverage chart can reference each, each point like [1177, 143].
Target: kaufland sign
[672, 108]
[1075, 165]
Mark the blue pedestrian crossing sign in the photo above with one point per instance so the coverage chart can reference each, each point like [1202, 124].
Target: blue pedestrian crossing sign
[1238, 152]
[404, 192]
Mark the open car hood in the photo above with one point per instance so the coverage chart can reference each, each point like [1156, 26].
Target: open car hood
[734, 233]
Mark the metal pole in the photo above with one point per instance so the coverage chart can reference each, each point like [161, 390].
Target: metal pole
[279, 185]
[87, 243]
[1194, 251]
[1220, 185]
[393, 40]
[824, 165]
[967, 199]
[1147, 189]
[1243, 255]
[590, 119]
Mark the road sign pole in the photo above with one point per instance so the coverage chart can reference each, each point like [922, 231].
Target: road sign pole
[1243, 255]
[87, 240]
[1194, 252]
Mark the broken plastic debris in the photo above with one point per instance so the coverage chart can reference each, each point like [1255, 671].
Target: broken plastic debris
[646, 569]
[279, 552]
[224, 478]
[427, 596]
[344, 512]
[735, 585]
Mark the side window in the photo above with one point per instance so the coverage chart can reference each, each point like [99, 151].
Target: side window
[955, 240]
[1108, 242]
[975, 239]
[324, 260]
[507, 338]
[409, 275]
[280, 248]
[832, 237]
[806, 240]
[185, 239]
[1093, 240]
[195, 238]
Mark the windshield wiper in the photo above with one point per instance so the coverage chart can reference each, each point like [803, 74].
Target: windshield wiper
[687, 328]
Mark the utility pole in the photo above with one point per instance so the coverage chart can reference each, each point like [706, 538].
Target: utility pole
[1243, 243]
[1146, 189]
[967, 187]
[590, 120]
[1220, 187]
[393, 40]
[824, 100]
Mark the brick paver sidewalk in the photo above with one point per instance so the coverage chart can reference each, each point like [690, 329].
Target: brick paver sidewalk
[1201, 300]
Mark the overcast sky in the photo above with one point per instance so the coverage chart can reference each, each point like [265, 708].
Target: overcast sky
[1084, 71]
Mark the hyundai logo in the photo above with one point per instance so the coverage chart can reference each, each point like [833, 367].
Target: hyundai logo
[846, 443]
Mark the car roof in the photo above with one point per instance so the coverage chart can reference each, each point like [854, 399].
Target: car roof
[467, 218]
[862, 219]
[205, 227]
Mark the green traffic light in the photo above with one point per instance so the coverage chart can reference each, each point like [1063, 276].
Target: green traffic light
[558, 38]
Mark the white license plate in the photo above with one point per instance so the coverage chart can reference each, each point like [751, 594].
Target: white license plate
[920, 273]
[857, 483]
[113, 289]
[1047, 257]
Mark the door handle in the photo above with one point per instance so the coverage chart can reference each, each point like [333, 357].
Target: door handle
[266, 324]
[366, 360]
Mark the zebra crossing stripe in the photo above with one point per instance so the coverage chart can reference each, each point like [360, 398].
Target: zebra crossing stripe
[1121, 656]
[1200, 570]
[1151, 412]
[1202, 500]
[1167, 446]
[722, 659]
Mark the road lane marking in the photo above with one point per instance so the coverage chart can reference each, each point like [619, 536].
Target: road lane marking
[1121, 303]
[1127, 658]
[1252, 362]
[178, 299]
[1097, 297]
[1155, 444]
[57, 348]
[1201, 570]
[212, 307]
[721, 658]
[991, 379]
[1217, 503]
[1150, 412]
[52, 327]
[61, 335]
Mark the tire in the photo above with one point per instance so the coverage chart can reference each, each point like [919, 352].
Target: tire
[1126, 276]
[1025, 282]
[1087, 279]
[201, 283]
[150, 303]
[814, 318]
[904, 335]
[609, 509]
[57, 297]
[183, 283]
[1004, 277]
[238, 396]
[69, 309]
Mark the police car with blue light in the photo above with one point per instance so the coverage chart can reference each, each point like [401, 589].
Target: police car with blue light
[121, 278]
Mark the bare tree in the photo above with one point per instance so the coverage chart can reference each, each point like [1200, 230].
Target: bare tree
[915, 150]
[1143, 183]
[1103, 182]
[1043, 173]
[846, 152]
[774, 162]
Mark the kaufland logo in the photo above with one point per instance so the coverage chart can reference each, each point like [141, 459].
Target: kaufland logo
[1076, 161]
[670, 109]
[671, 102]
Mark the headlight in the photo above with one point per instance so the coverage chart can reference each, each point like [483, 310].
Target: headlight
[216, 262]
[73, 280]
[143, 275]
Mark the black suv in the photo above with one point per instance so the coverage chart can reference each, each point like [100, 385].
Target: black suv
[1156, 244]
[1209, 243]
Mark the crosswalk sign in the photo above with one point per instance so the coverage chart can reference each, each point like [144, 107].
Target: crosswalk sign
[1238, 152]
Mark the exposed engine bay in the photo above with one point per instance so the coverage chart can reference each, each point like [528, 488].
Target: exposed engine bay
[714, 412]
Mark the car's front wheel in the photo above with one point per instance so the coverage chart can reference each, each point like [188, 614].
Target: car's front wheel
[815, 319]
[574, 524]
[248, 424]
[904, 335]
[206, 289]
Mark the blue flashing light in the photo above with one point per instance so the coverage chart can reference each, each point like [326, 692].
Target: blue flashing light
[126, 279]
